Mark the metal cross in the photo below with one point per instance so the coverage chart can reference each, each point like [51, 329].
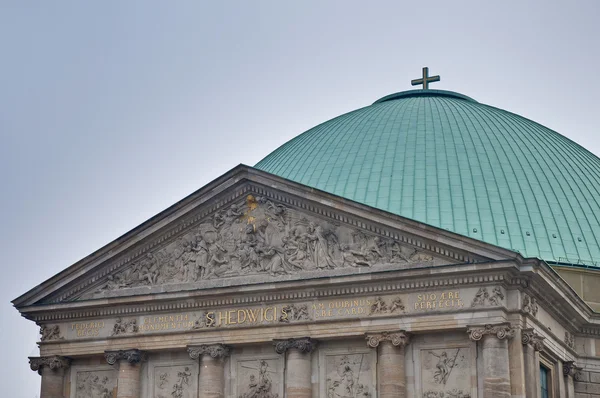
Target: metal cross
[425, 80]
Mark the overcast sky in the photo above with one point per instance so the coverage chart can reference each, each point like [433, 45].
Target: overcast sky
[111, 112]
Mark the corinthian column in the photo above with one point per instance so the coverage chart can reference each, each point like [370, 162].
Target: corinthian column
[496, 373]
[532, 343]
[212, 368]
[52, 370]
[298, 370]
[128, 380]
[390, 362]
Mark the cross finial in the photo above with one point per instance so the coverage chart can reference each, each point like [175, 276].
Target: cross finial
[425, 80]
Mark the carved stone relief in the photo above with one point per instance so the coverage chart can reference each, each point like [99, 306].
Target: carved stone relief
[380, 306]
[348, 374]
[446, 372]
[530, 305]
[95, 384]
[259, 377]
[483, 297]
[122, 327]
[293, 313]
[261, 237]
[175, 381]
[50, 333]
[570, 340]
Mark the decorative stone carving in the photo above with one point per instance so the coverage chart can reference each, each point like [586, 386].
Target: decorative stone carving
[379, 306]
[304, 344]
[95, 384]
[570, 340]
[54, 363]
[530, 305]
[501, 331]
[262, 237]
[569, 368]
[49, 333]
[212, 350]
[349, 375]
[203, 321]
[446, 371]
[529, 337]
[398, 339]
[258, 379]
[483, 297]
[293, 313]
[131, 356]
[174, 382]
[122, 327]
[578, 374]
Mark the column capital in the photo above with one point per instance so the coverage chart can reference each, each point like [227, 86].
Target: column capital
[399, 338]
[303, 344]
[501, 331]
[131, 356]
[569, 368]
[54, 363]
[530, 337]
[212, 350]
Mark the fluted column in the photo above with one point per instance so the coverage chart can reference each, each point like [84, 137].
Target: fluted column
[494, 344]
[129, 377]
[298, 370]
[391, 375]
[52, 370]
[532, 343]
[212, 368]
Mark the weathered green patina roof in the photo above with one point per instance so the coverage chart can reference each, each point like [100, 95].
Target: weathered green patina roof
[443, 159]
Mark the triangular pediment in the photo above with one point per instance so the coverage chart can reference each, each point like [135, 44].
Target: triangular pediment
[250, 227]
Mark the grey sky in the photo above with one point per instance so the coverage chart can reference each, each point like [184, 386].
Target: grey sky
[112, 111]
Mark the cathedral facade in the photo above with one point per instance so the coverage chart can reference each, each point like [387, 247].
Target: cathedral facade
[265, 285]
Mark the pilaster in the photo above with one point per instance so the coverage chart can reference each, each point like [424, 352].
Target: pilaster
[212, 359]
[494, 347]
[391, 374]
[52, 369]
[129, 376]
[532, 344]
[298, 370]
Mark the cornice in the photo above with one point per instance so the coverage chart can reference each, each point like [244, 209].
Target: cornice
[401, 281]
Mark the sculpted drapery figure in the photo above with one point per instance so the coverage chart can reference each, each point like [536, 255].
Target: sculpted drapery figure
[261, 237]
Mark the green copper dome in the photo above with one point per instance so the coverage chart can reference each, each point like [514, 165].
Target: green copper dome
[443, 159]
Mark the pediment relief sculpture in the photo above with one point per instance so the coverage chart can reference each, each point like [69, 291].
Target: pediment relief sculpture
[262, 237]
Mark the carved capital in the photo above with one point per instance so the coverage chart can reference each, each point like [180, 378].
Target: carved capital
[131, 356]
[54, 363]
[501, 331]
[569, 368]
[212, 350]
[304, 344]
[529, 337]
[399, 338]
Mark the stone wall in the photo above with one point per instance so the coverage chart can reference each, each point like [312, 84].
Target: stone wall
[587, 385]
